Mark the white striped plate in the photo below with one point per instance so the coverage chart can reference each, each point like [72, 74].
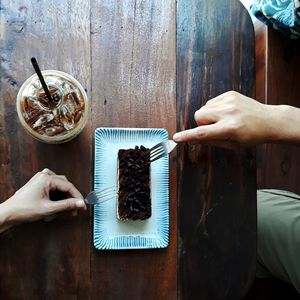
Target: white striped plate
[109, 232]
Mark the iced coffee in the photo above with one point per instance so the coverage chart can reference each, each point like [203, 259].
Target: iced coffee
[58, 119]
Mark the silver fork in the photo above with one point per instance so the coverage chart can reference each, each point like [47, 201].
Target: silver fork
[161, 149]
[101, 195]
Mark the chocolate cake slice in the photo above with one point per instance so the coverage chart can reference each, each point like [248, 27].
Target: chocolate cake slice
[134, 200]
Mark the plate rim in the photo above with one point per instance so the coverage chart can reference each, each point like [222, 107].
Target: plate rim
[132, 241]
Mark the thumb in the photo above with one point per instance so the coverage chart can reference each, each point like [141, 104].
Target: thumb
[66, 204]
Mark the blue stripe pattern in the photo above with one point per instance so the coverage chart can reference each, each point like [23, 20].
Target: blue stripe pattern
[109, 232]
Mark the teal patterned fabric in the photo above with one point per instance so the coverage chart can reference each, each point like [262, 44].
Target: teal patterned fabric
[283, 15]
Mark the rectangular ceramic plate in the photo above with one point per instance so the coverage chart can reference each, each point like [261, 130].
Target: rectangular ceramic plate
[109, 232]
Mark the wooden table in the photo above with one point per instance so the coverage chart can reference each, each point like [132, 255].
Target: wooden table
[143, 64]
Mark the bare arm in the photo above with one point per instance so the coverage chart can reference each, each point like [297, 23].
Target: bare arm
[31, 202]
[233, 119]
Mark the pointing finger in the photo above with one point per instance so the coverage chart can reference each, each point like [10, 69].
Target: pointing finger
[201, 134]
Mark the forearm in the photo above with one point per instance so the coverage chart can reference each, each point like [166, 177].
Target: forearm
[285, 125]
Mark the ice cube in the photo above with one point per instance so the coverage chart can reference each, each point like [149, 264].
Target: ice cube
[31, 103]
[77, 116]
[71, 103]
[43, 119]
[67, 125]
[65, 113]
[30, 116]
[54, 130]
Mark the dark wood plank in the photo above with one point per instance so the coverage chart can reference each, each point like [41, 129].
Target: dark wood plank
[280, 169]
[261, 32]
[217, 188]
[43, 260]
[276, 73]
[133, 71]
[277, 67]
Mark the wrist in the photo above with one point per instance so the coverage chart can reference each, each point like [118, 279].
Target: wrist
[7, 217]
[285, 121]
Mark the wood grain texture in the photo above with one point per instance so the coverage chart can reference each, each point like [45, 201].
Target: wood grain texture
[217, 188]
[133, 83]
[43, 260]
[277, 72]
[124, 54]
[280, 162]
[261, 32]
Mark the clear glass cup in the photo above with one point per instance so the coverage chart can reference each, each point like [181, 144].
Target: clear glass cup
[56, 121]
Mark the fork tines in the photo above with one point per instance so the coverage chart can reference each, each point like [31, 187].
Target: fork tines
[157, 153]
[106, 191]
[101, 195]
[160, 150]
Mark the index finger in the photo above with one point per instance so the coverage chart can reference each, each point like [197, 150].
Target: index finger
[62, 185]
[201, 133]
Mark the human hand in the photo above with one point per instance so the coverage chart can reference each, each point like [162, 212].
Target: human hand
[232, 119]
[32, 202]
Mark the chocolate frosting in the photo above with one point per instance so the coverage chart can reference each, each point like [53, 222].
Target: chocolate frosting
[134, 202]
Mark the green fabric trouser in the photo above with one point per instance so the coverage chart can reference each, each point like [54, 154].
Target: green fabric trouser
[278, 243]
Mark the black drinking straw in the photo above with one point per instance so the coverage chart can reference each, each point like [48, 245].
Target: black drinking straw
[41, 78]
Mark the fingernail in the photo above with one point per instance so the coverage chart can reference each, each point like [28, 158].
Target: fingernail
[79, 203]
[177, 137]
